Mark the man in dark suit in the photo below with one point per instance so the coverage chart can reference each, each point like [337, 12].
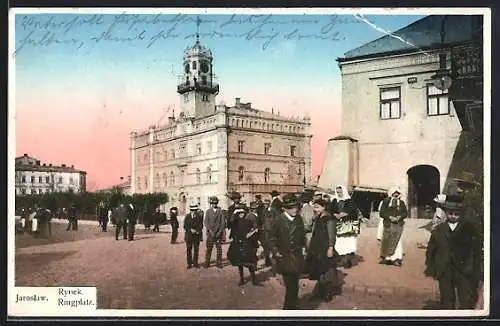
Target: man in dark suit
[454, 256]
[276, 203]
[266, 221]
[215, 224]
[102, 215]
[174, 223]
[236, 198]
[131, 221]
[288, 242]
[120, 218]
[193, 235]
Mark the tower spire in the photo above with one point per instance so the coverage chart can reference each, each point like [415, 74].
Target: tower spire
[198, 22]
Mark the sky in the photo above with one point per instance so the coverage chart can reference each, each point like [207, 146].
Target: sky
[83, 82]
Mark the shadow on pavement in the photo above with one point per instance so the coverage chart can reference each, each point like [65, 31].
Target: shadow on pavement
[33, 261]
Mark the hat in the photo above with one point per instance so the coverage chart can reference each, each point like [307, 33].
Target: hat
[258, 196]
[254, 205]
[240, 208]
[193, 207]
[173, 209]
[214, 200]
[274, 193]
[453, 202]
[235, 195]
[289, 201]
[267, 201]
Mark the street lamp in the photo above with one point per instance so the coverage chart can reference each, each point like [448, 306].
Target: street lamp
[442, 78]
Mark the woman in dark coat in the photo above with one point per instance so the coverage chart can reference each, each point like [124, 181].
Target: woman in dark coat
[243, 248]
[321, 254]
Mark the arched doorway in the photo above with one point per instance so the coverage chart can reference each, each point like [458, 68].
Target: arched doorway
[423, 186]
[183, 203]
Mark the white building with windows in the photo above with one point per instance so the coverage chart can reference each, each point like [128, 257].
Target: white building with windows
[33, 177]
[397, 127]
[214, 149]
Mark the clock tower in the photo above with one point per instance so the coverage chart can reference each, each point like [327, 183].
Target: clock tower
[197, 87]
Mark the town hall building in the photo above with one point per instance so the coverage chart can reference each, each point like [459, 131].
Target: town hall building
[211, 149]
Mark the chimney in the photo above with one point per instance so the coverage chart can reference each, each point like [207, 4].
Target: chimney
[50, 164]
[25, 155]
[72, 166]
[237, 101]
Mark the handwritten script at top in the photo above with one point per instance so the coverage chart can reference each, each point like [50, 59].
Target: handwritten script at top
[85, 31]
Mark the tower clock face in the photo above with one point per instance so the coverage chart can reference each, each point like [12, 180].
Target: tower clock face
[186, 68]
[204, 67]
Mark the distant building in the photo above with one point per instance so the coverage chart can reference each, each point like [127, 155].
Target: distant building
[214, 149]
[122, 187]
[411, 111]
[32, 177]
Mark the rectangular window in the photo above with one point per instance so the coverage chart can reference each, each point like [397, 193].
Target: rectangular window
[390, 103]
[47, 179]
[172, 153]
[40, 180]
[60, 180]
[204, 80]
[204, 98]
[209, 146]
[24, 179]
[437, 101]
[183, 149]
[267, 148]
[293, 149]
[198, 149]
[186, 98]
[241, 143]
[194, 65]
[32, 179]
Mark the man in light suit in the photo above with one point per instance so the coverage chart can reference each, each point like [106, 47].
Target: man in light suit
[215, 224]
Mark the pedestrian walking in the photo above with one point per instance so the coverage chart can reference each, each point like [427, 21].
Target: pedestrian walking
[174, 223]
[267, 219]
[193, 235]
[454, 257]
[131, 221]
[242, 251]
[288, 242]
[393, 212]
[215, 224]
[72, 219]
[102, 215]
[348, 226]
[120, 217]
[157, 220]
[321, 254]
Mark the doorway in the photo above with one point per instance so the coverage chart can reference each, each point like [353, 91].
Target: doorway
[423, 186]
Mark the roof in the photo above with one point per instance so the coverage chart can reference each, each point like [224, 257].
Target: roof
[422, 34]
[48, 168]
[246, 109]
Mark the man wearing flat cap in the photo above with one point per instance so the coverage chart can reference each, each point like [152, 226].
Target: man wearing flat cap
[454, 256]
[288, 242]
[193, 228]
[215, 224]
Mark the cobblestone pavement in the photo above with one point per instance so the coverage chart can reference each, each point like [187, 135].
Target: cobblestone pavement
[150, 273]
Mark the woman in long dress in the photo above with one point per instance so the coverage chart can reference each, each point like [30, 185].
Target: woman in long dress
[242, 251]
[321, 253]
[393, 212]
[348, 226]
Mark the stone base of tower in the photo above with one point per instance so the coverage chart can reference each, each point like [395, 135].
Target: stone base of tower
[340, 166]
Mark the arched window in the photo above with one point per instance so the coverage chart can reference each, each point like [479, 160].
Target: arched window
[165, 180]
[209, 174]
[172, 178]
[241, 172]
[267, 175]
[198, 176]
[250, 124]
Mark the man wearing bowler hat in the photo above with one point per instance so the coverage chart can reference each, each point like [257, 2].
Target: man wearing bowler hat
[288, 242]
[193, 228]
[215, 225]
[276, 203]
[453, 256]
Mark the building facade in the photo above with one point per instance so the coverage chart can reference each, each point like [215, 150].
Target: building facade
[211, 149]
[400, 126]
[33, 177]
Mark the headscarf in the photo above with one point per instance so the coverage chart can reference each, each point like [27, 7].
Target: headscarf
[344, 192]
[394, 201]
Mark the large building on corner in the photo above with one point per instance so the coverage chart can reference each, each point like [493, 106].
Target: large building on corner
[403, 123]
[211, 149]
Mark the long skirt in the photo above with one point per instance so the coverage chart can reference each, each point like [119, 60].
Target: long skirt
[346, 244]
[398, 253]
[380, 229]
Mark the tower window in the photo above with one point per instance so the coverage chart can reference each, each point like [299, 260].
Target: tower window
[267, 175]
[241, 172]
[194, 65]
[204, 80]
[204, 98]
[186, 98]
[267, 147]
